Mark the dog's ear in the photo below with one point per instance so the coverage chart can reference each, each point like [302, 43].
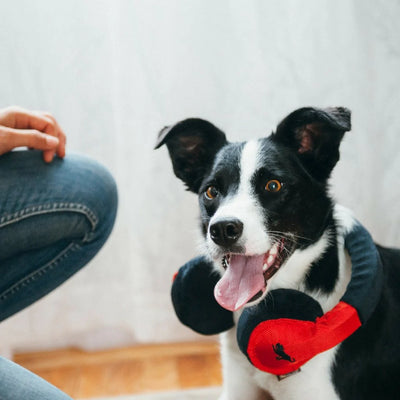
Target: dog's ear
[192, 145]
[315, 135]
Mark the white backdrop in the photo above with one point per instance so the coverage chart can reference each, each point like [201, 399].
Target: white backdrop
[114, 72]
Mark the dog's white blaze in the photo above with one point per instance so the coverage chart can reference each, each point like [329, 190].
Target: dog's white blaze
[244, 206]
[249, 163]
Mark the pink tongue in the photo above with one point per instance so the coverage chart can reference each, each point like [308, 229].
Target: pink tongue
[241, 281]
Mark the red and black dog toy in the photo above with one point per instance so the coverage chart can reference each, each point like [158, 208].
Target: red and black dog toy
[287, 328]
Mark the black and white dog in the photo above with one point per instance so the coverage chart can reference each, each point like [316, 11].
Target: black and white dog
[268, 222]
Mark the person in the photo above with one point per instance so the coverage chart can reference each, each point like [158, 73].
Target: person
[56, 212]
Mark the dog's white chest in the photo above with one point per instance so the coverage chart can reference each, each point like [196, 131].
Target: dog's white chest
[313, 382]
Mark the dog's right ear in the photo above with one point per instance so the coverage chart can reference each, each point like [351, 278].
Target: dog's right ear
[192, 145]
[314, 134]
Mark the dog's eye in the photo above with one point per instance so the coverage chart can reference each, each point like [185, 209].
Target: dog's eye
[273, 186]
[211, 193]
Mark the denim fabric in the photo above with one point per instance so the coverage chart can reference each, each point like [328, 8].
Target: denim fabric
[16, 383]
[54, 218]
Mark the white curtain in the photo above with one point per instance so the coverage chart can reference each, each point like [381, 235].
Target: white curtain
[115, 72]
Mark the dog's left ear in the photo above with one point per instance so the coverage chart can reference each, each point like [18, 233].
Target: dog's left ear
[192, 145]
[315, 134]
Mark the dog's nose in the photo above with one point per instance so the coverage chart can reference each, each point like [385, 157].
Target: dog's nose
[226, 232]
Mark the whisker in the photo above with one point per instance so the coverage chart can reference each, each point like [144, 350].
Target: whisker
[289, 235]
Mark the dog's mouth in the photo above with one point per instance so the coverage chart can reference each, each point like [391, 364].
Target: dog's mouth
[246, 277]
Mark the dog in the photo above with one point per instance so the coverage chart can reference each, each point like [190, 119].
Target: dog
[268, 222]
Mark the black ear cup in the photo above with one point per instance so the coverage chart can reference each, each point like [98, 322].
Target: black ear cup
[192, 295]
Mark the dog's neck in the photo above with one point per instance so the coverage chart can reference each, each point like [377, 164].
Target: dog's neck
[322, 269]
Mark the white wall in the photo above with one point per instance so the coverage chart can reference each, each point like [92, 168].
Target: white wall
[114, 72]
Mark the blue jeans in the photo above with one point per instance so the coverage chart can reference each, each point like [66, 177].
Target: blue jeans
[54, 218]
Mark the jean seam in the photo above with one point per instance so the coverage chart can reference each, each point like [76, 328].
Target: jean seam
[50, 208]
[41, 271]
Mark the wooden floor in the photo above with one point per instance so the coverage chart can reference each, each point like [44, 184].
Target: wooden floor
[139, 369]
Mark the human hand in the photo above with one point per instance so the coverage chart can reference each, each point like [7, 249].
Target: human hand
[34, 129]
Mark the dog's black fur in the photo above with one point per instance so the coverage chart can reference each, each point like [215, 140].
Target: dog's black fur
[368, 362]
[301, 154]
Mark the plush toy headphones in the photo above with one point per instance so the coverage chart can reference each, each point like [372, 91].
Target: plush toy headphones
[287, 328]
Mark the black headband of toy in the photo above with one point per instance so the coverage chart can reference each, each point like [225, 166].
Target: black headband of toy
[365, 286]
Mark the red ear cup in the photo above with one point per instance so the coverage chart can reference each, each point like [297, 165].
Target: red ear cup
[289, 328]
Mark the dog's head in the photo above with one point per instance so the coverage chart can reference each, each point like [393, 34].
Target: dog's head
[259, 200]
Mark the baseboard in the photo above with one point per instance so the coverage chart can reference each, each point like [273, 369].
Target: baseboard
[193, 394]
